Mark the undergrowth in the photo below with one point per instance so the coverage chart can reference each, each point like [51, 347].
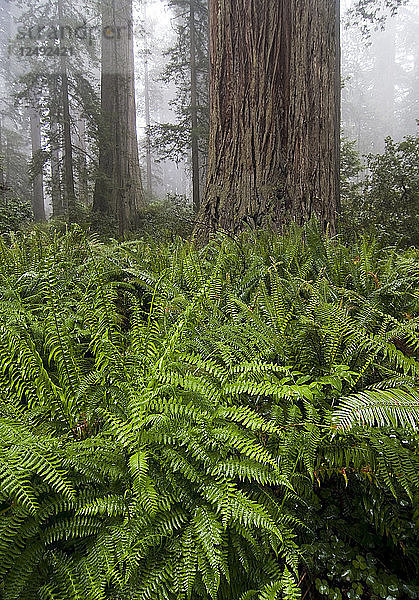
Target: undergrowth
[227, 423]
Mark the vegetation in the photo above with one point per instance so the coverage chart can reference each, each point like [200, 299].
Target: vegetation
[385, 199]
[233, 422]
[14, 212]
[215, 399]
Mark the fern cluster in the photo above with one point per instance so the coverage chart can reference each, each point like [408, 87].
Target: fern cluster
[182, 423]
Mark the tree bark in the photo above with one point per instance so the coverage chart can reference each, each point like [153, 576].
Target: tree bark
[275, 114]
[2, 180]
[69, 188]
[196, 194]
[118, 191]
[38, 207]
[83, 183]
[55, 143]
[56, 192]
[147, 112]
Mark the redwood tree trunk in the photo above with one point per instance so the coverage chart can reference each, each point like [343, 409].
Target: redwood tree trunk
[69, 188]
[2, 180]
[55, 142]
[275, 114]
[196, 199]
[38, 177]
[83, 183]
[118, 191]
[56, 191]
[147, 115]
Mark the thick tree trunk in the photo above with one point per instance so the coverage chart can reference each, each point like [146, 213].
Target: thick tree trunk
[69, 188]
[118, 191]
[196, 194]
[38, 207]
[274, 125]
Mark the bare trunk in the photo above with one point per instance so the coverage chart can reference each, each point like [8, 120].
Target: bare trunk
[147, 124]
[384, 79]
[196, 200]
[274, 123]
[55, 141]
[83, 185]
[2, 180]
[312, 148]
[38, 207]
[70, 195]
[147, 111]
[56, 192]
[118, 192]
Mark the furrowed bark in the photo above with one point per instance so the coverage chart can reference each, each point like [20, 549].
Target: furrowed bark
[275, 114]
[118, 191]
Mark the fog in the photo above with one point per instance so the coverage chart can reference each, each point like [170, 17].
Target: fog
[380, 74]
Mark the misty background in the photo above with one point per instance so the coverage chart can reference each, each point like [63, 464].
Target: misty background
[380, 93]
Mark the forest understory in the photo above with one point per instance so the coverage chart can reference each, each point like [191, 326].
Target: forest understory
[209, 300]
[232, 422]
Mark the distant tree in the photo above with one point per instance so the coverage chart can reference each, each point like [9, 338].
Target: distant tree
[380, 96]
[118, 192]
[69, 187]
[38, 205]
[15, 184]
[188, 68]
[372, 14]
[147, 110]
[64, 87]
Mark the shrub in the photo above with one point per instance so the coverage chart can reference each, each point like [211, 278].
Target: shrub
[386, 201]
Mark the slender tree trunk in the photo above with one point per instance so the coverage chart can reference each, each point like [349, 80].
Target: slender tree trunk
[147, 117]
[147, 124]
[83, 185]
[56, 192]
[70, 195]
[196, 199]
[55, 142]
[413, 112]
[118, 191]
[275, 106]
[2, 157]
[8, 154]
[384, 78]
[38, 207]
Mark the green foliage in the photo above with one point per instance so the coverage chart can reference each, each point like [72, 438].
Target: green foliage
[174, 140]
[14, 212]
[167, 218]
[386, 201]
[182, 424]
[350, 175]
[393, 190]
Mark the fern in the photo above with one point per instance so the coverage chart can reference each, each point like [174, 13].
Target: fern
[175, 422]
